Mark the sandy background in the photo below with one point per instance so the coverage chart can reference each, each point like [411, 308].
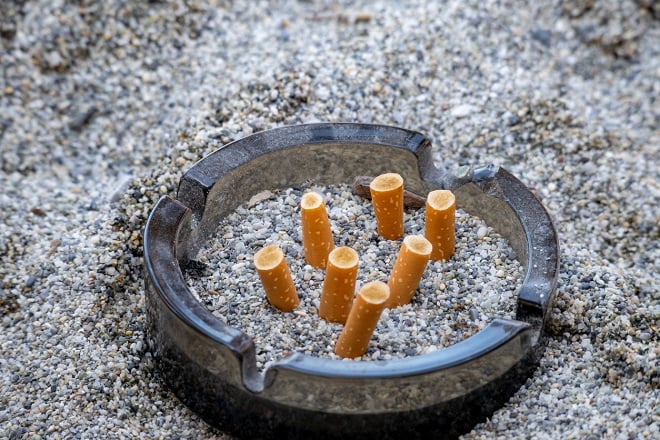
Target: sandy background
[103, 105]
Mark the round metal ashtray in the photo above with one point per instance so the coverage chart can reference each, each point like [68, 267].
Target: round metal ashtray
[211, 366]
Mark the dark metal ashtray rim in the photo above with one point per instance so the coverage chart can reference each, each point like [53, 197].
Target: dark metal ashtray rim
[173, 224]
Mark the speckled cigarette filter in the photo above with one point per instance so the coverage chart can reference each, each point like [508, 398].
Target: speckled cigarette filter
[387, 197]
[316, 232]
[408, 269]
[339, 284]
[362, 319]
[276, 278]
[440, 227]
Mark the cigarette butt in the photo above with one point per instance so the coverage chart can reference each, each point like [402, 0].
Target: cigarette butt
[440, 227]
[317, 236]
[362, 319]
[408, 269]
[410, 200]
[339, 284]
[276, 278]
[387, 197]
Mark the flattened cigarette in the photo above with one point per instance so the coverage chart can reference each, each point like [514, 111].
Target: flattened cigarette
[440, 227]
[387, 197]
[339, 284]
[408, 269]
[276, 278]
[317, 236]
[362, 319]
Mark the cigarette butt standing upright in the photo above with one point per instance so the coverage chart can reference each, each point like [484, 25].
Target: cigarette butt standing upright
[339, 284]
[440, 227]
[362, 319]
[317, 236]
[408, 269]
[276, 278]
[387, 197]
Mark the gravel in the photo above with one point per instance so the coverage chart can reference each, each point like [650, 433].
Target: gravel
[456, 298]
[103, 105]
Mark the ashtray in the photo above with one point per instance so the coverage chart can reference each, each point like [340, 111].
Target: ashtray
[211, 367]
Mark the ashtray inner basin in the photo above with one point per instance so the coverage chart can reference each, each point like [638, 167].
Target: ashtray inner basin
[454, 299]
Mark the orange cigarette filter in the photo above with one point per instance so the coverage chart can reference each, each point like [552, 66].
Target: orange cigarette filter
[362, 319]
[408, 269]
[440, 227]
[339, 284]
[276, 278]
[317, 236]
[387, 197]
